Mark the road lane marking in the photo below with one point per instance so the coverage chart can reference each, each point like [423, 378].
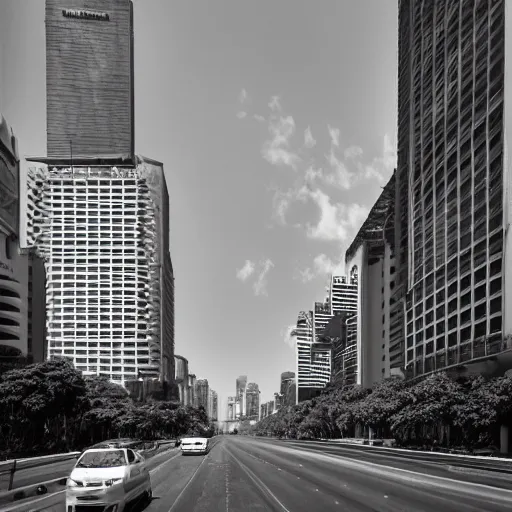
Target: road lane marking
[187, 484]
[406, 474]
[256, 480]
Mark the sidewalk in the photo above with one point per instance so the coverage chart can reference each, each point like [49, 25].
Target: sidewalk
[388, 445]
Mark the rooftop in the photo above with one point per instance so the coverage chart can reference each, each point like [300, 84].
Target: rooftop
[372, 230]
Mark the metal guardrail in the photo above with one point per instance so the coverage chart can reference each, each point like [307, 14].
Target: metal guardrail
[9, 467]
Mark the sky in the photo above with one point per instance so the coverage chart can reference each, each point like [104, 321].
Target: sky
[276, 124]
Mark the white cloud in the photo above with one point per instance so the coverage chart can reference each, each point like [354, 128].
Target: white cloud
[313, 174]
[246, 271]
[275, 104]
[286, 334]
[241, 114]
[259, 118]
[352, 152]
[341, 177]
[243, 96]
[322, 266]
[260, 285]
[275, 150]
[306, 275]
[337, 221]
[309, 140]
[381, 167]
[335, 135]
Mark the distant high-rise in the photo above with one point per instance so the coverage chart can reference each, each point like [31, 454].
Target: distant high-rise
[181, 378]
[321, 316]
[253, 401]
[202, 394]
[241, 385]
[212, 405]
[231, 408]
[343, 294]
[89, 79]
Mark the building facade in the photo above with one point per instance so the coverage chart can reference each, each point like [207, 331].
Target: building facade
[103, 234]
[202, 394]
[343, 294]
[181, 378]
[454, 185]
[369, 260]
[253, 401]
[13, 265]
[192, 381]
[90, 106]
[231, 408]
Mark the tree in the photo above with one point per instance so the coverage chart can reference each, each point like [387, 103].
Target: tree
[431, 403]
[376, 409]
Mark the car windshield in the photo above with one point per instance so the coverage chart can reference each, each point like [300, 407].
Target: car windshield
[102, 459]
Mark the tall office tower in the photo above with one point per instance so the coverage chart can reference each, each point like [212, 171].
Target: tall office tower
[181, 378]
[371, 265]
[96, 213]
[321, 316]
[202, 394]
[253, 401]
[90, 106]
[454, 183]
[231, 408]
[241, 386]
[103, 233]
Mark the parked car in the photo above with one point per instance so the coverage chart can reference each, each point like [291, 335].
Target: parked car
[110, 478]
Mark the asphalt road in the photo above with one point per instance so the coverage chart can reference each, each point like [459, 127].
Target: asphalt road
[242, 473]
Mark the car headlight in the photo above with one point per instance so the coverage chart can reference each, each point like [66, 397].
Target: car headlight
[73, 483]
[113, 481]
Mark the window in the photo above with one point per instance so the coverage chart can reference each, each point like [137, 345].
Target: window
[131, 456]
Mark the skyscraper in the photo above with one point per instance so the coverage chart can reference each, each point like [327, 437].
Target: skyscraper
[453, 183]
[253, 401]
[321, 315]
[96, 213]
[343, 294]
[231, 408]
[241, 385]
[181, 378]
[90, 106]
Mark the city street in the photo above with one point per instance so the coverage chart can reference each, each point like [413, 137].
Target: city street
[243, 473]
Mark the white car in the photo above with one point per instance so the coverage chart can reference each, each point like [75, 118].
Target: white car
[199, 445]
[106, 480]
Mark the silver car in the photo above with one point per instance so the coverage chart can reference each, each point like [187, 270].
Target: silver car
[107, 479]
